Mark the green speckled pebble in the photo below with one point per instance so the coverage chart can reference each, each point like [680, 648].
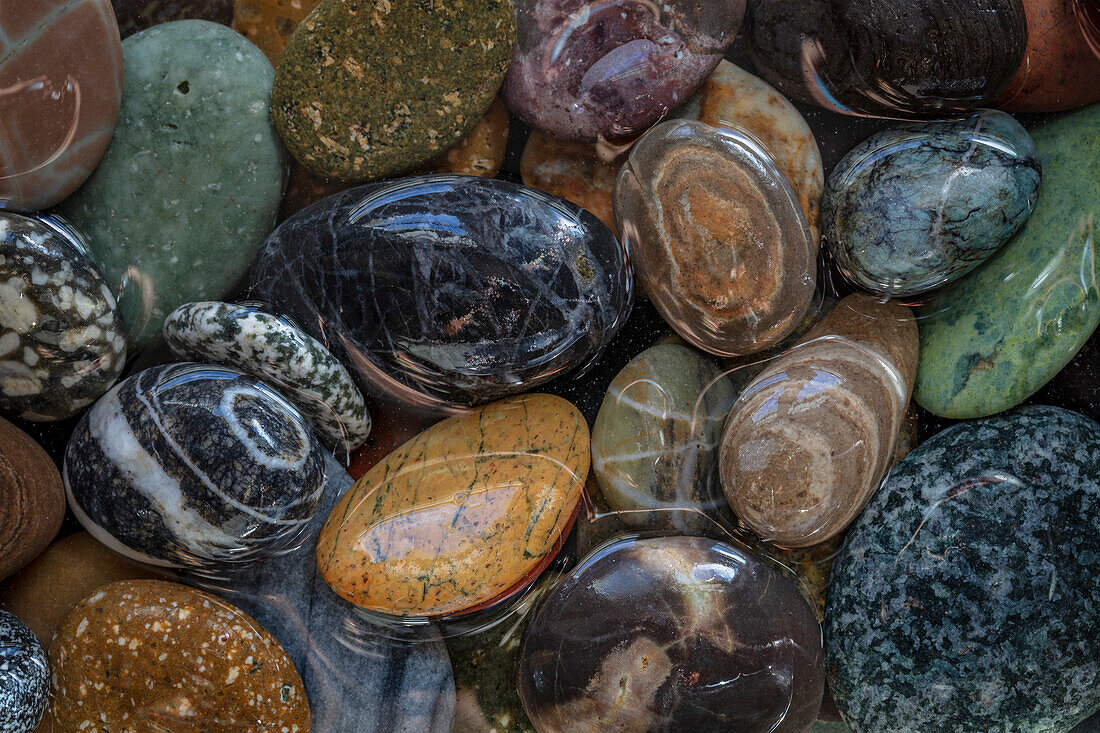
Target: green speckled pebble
[367, 89]
[277, 351]
[995, 337]
[191, 182]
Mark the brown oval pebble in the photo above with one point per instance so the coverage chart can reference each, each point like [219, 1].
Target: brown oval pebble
[809, 440]
[148, 655]
[32, 499]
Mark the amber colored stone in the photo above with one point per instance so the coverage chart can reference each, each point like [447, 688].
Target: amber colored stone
[1059, 70]
[461, 515]
[32, 499]
[143, 655]
[573, 171]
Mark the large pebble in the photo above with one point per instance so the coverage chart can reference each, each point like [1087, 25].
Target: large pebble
[809, 440]
[718, 240]
[143, 655]
[996, 336]
[61, 81]
[672, 633]
[193, 466]
[462, 515]
[965, 598]
[32, 499]
[24, 677]
[449, 288]
[191, 183]
[62, 340]
[919, 205]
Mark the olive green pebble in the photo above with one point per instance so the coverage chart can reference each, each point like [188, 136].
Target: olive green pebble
[368, 89]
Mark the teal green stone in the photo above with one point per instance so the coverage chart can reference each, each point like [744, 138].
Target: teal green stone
[191, 182]
[995, 337]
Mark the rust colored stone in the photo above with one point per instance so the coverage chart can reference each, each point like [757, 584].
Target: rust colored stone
[32, 499]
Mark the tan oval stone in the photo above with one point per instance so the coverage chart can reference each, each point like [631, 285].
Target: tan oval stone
[462, 514]
[32, 499]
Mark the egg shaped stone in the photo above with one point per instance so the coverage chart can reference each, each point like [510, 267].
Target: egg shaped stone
[899, 59]
[718, 240]
[965, 598]
[585, 71]
[193, 466]
[24, 677]
[919, 205]
[463, 514]
[672, 633]
[449, 289]
[32, 499]
[62, 340]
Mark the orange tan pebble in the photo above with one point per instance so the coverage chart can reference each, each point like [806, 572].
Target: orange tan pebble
[463, 514]
[270, 23]
[147, 655]
[573, 171]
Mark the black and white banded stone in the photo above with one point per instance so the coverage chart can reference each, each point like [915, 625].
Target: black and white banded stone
[24, 677]
[188, 465]
[62, 341]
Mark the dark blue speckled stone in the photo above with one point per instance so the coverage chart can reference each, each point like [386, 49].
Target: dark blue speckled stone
[24, 677]
[919, 205]
[449, 289]
[965, 598]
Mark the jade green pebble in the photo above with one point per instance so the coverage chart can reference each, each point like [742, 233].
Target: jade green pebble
[191, 182]
[995, 337]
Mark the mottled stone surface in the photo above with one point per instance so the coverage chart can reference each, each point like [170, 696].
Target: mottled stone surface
[141, 655]
[574, 171]
[909, 58]
[809, 440]
[1060, 69]
[996, 336]
[655, 439]
[511, 287]
[919, 205]
[718, 240]
[673, 633]
[137, 15]
[586, 70]
[32, 499]
[278, 351]
[965, 596]
[367, 89]
[732, 97]
[462, 515]
[191, 182]
[24, 677]
[60, 87]
[191, 466]
[62, 340]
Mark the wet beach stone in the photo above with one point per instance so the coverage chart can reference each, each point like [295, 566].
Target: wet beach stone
[32, 499]
[965, 597]
[24, 677]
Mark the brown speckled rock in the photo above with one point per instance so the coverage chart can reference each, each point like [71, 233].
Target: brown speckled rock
[144, 655]
[32, 499]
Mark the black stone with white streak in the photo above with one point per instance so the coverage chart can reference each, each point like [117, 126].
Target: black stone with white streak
[62, 341]
[189, 465]
[449, 288]
[24, 677]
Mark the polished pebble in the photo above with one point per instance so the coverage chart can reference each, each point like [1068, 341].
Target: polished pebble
[32, 499]
[24, 677]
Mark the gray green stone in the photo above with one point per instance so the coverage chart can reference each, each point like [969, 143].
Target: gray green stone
[917, 206]
[993, 338]
[276, 350]
[965, 598]
[191, 182]
[655, 439]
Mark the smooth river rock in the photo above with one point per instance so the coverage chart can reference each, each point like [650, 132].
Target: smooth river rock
[964, 599]
[899, 59]
[672, 633]
[808, 441]
[61, 86]
[993, 338]
[32, 499]
[191, 182]
[62, 340]
[193, 466]
[464, 514]
[510, 287]
[919, 205]
[140, 655]
[24, 677]
[718, 240]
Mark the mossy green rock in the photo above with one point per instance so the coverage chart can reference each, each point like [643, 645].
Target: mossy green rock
[995, 337]
[191, 182]
[367, 89]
